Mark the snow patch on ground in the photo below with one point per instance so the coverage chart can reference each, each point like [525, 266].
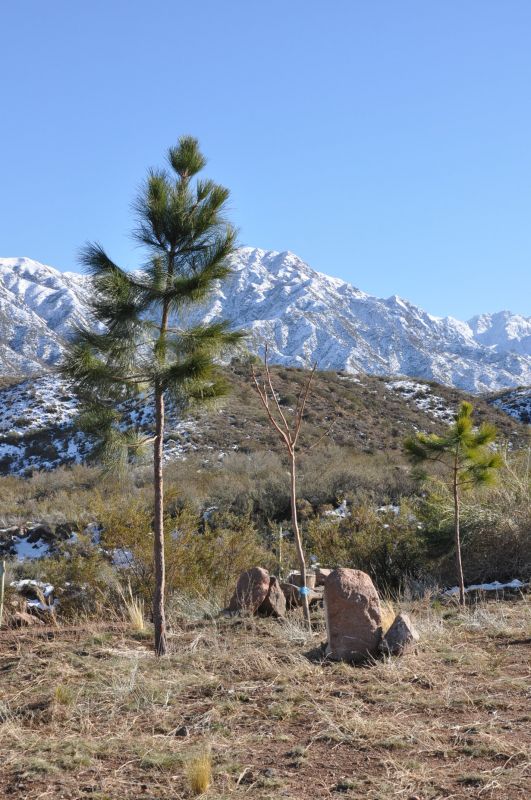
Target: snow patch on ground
[516, 403]
[421, 395]
[495, 586]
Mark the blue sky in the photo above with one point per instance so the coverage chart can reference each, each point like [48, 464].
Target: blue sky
[385, 142]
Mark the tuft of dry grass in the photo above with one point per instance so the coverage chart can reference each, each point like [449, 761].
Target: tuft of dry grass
[199, 773]
[134, 611]
[388, 615]
[63, 695]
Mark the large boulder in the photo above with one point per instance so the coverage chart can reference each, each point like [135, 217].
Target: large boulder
[353, 615]
[401, 637]
[274, 604]
[251, 590]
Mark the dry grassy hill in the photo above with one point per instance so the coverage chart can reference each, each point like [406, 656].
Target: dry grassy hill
[367, 414]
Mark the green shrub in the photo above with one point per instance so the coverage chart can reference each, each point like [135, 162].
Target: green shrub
[387, 546]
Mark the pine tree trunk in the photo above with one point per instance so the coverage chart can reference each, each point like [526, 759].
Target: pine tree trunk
[159, 616]
[457, 532]
[298, 541]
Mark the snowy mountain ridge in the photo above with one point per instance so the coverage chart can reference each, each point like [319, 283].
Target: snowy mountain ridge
[305, 316]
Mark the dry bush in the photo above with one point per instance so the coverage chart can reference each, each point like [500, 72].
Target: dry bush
[201, 557]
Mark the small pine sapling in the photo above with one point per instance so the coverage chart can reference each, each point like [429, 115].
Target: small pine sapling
[467, 461]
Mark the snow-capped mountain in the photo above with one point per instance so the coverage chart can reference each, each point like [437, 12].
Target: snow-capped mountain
[303, 315]
[39, 307]
[503, 331]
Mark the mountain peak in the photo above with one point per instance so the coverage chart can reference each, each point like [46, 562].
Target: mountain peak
[304, 315]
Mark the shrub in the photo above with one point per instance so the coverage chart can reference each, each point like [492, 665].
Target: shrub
[390, 548]
[495, 525]
[201, 557]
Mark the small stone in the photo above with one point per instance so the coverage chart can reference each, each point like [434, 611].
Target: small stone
[292, 595]
[21, 619]
[296, 579]
[246, 777]
[402, 637]
[321, 574]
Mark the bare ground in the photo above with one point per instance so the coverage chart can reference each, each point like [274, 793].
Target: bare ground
[86, 711]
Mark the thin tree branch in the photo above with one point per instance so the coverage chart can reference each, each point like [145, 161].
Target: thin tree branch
[300, 411]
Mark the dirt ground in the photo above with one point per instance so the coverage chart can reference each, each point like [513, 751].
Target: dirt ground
[86, 711]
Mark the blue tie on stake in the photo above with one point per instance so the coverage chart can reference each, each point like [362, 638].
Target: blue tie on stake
[304, 590]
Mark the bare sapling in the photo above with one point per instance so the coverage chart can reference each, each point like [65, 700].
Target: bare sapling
[288, 431]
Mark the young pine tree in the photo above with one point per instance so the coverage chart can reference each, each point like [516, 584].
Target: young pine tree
[141, 344]
[466, 460]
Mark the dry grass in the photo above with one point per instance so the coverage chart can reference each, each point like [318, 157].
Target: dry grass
[388, 614]
[199, 773]
[134, 611]
[89, 712]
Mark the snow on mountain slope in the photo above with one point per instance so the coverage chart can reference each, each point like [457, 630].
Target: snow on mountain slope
[39, 306]
[37, 426]
[516, 403]
[306, 316]
[303, 315]
[503, 331]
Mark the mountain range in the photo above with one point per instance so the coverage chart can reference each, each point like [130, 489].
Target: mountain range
[304, 316]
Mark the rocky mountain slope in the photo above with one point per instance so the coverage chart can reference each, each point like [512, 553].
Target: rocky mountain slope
[303, 315]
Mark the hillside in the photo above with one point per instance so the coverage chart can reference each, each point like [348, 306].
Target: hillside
[304, 316]
[369, 414]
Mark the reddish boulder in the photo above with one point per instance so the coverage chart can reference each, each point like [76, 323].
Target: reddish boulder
[251, 590]
[353, 615]
[274, 604]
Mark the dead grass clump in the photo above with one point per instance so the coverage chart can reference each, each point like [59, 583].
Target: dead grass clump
[64, 695]
[134, 611]
[199, 773]
[388, 615]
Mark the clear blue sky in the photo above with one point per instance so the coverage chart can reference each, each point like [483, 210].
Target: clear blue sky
[387, 142]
